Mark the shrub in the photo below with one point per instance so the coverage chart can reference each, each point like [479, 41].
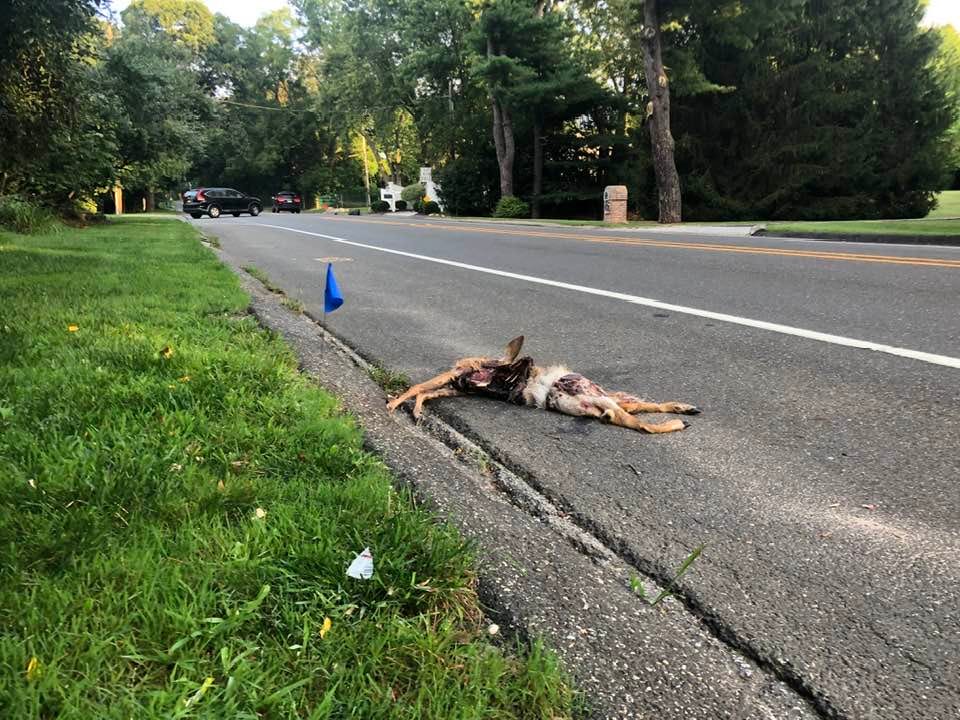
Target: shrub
[380, 206]
[511, 207]
[468, 185]
[400, 205]
[430, 208]
[23, 216]
[412, 193]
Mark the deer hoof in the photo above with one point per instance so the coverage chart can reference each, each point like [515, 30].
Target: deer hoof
[685, 424]
[692, 410]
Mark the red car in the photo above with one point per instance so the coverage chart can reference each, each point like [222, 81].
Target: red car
[287, 201]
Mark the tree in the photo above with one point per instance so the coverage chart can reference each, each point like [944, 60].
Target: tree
[163, 110]
[52, 134]
[658, 115]
[188, 23]
[947, 67]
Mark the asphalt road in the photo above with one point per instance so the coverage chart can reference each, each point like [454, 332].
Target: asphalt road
[824, 474]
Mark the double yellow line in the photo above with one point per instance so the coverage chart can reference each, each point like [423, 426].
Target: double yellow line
[677, 244]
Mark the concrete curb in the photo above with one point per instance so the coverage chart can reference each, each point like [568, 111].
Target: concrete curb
[541, 574]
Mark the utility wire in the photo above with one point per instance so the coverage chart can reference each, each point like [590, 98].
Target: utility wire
[263, 107]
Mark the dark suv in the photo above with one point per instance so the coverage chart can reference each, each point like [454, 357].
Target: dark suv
[216, 201]
[287, 200]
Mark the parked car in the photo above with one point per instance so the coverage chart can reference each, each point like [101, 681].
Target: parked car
[286, 200]
[216, 201]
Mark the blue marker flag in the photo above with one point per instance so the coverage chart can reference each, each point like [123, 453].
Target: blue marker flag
[332, 299]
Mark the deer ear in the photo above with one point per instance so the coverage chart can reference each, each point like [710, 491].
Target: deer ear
[513, 349]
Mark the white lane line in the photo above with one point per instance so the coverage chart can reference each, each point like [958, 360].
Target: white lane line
[926, 357]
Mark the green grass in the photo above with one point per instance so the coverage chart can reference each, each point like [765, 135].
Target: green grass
[948, 205]
[263, 278]
[393, 383]
[873, 227]
[178, 506]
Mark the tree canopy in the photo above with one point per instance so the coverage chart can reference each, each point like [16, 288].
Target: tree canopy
[774, 108]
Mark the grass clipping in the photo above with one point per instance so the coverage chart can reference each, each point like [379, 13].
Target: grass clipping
[178, 506]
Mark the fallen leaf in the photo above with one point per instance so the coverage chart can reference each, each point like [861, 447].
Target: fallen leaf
[34, 669]
[199, 693]
[185, 379]
[176, 467]
[870, 506]
[327, 624]
[259, 513]
[73, 328]
[166, 352]
[221, 486]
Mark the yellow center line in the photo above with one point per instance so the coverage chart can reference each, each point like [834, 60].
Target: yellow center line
[684, 245]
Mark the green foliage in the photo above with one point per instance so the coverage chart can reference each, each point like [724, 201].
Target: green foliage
[468, 185]
[55, 137]
[188, 23]
[413, 193]
[400, 204]
[379, 206]
[947, 67]
[23, 216]
[511, 207]
[153, 534]
[430, 207]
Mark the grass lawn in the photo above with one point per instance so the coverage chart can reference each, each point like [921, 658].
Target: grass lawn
[948, 205]
[873, 227]
[936, 223]
[178, 506]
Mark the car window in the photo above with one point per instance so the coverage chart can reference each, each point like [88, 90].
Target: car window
[233, 194]
[214, 193]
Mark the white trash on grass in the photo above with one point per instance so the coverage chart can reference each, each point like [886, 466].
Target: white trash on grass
[362, 566]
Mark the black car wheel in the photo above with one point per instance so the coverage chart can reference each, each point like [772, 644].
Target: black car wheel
[214, 211]
[196, 216]
[235, 214]
[254, 210]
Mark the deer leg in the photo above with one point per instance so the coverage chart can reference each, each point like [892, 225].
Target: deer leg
[619, 416]
[634, 405]
[608, 409]
[423, 397]
[427, 386]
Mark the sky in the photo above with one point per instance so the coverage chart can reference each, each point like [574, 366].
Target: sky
[944, 12]
[242, 12]
[246, 12]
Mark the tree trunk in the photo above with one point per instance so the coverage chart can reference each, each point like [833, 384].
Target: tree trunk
[658, 116]
[537, 168]
[502, 138]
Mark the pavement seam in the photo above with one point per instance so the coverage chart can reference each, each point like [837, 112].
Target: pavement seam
[516, 485]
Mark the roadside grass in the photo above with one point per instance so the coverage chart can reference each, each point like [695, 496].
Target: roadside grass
[178, 506]
[873, 227]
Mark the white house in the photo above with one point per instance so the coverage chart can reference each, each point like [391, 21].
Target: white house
[391, 193]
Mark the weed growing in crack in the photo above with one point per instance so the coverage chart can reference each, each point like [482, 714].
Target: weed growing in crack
[637, 586]
[292, 304]
[264, 279]
[392, 382]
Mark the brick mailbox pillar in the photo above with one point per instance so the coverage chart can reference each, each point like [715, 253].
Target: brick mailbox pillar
[615, 204]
